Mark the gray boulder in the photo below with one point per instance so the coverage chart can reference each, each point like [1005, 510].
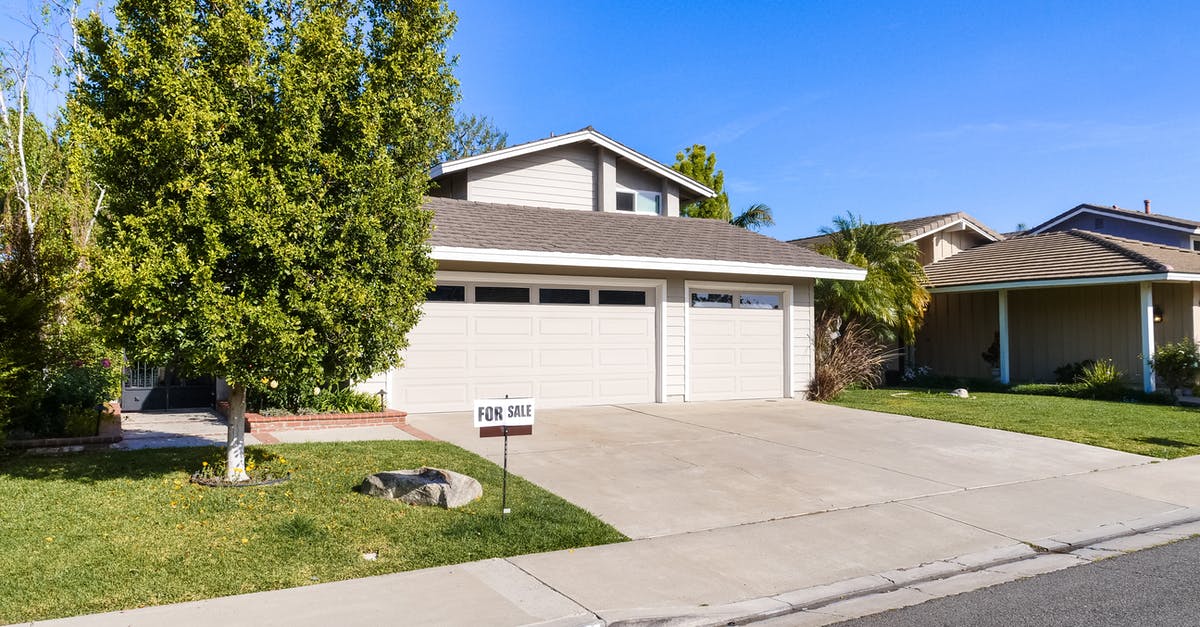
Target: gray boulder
[961, 393]
[423, 486]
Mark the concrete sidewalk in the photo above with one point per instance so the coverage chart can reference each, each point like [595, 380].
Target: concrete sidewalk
[801, 504]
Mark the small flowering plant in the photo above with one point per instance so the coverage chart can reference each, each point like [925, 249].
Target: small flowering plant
[263, 468]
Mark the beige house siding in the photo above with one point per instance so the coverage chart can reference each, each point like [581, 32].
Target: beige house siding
[958, 329]
[1053, 327]
[1178, 305]
[675, 341]
[561, 177]
[943, 244]
[802, 337]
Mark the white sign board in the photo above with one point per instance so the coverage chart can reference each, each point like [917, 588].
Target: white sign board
[499, 412]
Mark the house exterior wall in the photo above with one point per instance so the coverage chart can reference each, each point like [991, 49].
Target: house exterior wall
[561, 177]
[450, 186]
[942, 244]
[958, 329]
[1178, 303]
[1055, 326]
[1123, 227]
[804, 361]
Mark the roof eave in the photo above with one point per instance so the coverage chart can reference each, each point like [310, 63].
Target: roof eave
[1174, 277]
[662, 264]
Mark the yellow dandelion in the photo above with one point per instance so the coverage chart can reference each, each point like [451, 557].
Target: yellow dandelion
[49, 538]
[245, 540]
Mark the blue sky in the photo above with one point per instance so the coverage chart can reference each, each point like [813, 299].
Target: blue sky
[1011, 111]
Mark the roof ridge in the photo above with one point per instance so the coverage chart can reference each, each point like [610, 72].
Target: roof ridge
[1117, 247]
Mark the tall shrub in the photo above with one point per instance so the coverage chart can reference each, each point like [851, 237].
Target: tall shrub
[1177, 364]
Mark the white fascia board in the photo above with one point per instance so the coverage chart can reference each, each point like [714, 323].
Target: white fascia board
[1118, 216]
[962, 221]
[629, 262]
[1100, 280]
[571, 138]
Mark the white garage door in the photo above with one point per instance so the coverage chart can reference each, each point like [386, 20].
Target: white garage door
[563, 345]
[735, 345]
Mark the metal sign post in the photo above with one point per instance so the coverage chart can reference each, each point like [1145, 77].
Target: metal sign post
[502, 418]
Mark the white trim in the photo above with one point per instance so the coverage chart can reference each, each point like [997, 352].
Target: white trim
[1147, 322]
[1102, 280]
[962, 221]
[663, 264]
[595, 137]
[1005, 356]
[1110, 214]
[660, 343]
[786, 292]
[496, 278]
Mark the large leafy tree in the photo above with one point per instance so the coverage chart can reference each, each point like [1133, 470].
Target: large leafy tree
[701, 166]
[266, 162]
[473, 135]
[891, 300]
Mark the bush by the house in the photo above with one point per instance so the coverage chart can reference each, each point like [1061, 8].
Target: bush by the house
[1080, 390]
[338, 398]
[1101, 379]
[1177, 364]
[851, 357]
[1070, 372]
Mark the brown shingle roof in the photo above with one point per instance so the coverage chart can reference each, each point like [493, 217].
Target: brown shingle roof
[1121, 213]
[1071, 254]
[461, 223]
[913, 228]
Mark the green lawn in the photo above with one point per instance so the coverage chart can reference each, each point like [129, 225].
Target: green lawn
[1154, 430]
[105, 531]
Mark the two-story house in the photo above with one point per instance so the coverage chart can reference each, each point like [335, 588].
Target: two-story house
[565, 273]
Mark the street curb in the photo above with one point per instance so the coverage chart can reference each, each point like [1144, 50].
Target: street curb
[1064, 550]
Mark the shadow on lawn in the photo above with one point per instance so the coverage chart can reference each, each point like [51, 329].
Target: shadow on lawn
[105, 465]
[1167, 442]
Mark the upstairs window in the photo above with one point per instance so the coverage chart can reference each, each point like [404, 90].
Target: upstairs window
[640, 202]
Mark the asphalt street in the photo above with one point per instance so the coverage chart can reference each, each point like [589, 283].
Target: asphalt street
[1159, 586]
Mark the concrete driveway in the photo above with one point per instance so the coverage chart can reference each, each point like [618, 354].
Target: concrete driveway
[659, 470]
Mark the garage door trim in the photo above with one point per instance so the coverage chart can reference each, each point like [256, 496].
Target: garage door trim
[787, 296]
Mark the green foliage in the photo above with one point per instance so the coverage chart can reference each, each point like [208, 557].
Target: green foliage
[473, 135]
[892, 298]
[1177, 363]
[1070, 372]
[701, 166]
[850, 357]
[332, 398]
[1102, 378]
[754, 217]
[266, 164]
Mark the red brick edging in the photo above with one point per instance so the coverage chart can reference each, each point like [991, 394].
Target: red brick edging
[387, 417]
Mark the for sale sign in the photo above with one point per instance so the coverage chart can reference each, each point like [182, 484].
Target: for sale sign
[503, 412]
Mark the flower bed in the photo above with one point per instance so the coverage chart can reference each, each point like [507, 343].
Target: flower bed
[388, 417]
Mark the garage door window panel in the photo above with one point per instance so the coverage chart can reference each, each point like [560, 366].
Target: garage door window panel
[759, 301]
[448, 294]
[712, 300]
[563, 296]
[497, 294]
[622, 297]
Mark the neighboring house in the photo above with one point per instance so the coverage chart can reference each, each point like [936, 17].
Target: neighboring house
[565, 274]
[1056, 298]
[1139, 225]
[1091, 283]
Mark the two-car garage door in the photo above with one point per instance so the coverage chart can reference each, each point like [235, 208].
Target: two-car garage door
[563, 345]
[577, 344]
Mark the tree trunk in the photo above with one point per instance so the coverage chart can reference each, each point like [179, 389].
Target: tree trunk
[235, 453]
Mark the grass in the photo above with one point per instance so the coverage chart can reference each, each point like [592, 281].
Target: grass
[1154, 430]
[113, 530]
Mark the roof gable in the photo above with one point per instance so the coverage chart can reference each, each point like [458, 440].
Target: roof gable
[1153, 219]
[587, 134]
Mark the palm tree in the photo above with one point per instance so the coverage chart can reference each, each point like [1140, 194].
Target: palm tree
[892, 298]
[754, 217]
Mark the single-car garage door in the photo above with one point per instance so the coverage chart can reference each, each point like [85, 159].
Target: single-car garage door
[736, 347]
[565, 345]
